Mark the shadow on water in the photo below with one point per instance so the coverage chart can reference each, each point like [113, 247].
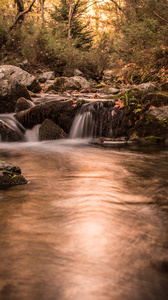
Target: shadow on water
[90, 225]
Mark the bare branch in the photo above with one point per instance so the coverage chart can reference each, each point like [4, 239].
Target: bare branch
[21, 14]
[118, 6]
[156, 14]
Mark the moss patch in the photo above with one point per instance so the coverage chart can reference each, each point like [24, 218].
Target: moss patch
[149, 126]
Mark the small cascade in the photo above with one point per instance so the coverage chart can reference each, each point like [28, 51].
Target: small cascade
[11, 121]
[25, 135]
[32, 135]
[93, 120]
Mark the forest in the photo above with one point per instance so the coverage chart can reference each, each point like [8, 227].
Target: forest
[93, 36]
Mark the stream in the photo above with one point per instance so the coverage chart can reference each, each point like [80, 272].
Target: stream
[91, 224]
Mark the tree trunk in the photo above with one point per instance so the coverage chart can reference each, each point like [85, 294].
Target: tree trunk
[72, 12]
[42, 10]
[21, 14]
[20, 9]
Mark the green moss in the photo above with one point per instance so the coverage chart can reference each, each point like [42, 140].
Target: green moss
[153, 139]
[9, 179]
[100, 85]
[156, 99]
[150, 126]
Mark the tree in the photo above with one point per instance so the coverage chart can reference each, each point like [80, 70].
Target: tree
[42, 9]
[21, 12]
[72, 15]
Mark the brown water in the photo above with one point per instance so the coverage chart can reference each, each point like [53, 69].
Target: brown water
[90, 225]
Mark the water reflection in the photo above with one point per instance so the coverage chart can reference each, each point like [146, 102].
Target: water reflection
[91, 224]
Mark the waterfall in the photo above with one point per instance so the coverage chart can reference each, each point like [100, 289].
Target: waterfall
[32, 135]
[27, 135]
[93, 120]
[12, 122]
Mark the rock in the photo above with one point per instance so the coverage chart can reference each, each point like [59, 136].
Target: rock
[108, 75]
[147, 86]
[23, 64]
[46, 76]
[22, 77]
[156, 99]
[9, 134]
[10, 175]
[61, 112]
[69, 83]
[51, 131]
[47, 84]
[77, 73]
[23, 104]
[149, 126]
[111, 90]
[161, 113]
[10, 91]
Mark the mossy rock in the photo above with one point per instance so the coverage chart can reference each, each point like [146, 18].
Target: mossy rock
[51, 131]
[130, 95]
[10, 175]
[151, 126]
[153, 139]
[148, 140]
[156, 99]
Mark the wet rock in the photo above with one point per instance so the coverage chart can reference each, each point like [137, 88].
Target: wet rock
[10, 175]
[23, 104]
[69, 83]
[8, 134]
[10, 91]
[51, 131]
[46, 76]
[22, 77]
[61, 112]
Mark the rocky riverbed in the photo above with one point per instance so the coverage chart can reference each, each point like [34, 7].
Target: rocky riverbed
[136, 113]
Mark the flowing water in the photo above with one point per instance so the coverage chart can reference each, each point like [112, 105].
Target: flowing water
[91, 224]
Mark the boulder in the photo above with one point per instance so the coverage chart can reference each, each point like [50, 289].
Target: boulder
[9, 134]
[108, 75]
[46, 76]
[161, 113]
[61, 112]
[50, 131]
[10, 175]
[111, 90]
[23, 104]
[69, 83]
[157, 99]
[10, 91]
[147, 86]
[21, 76]
[151, 127]
[77, 72]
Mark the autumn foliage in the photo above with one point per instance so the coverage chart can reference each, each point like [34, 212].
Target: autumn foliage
[89, 35]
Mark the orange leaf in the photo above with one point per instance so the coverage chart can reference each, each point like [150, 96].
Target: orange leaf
[119, 103]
